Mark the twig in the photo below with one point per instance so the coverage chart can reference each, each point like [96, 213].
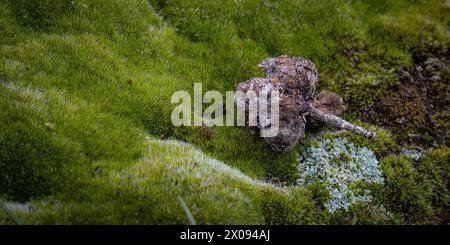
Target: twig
[339, 122]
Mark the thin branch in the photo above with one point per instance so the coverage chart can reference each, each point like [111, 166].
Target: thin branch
[339, 122]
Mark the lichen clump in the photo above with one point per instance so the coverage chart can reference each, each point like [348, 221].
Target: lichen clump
[413, 154]
[341, 169]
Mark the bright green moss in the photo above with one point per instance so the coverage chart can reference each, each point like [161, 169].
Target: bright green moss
[279, 208]
[33, 161]
[40, 148]
[146, 192]
[40, 15]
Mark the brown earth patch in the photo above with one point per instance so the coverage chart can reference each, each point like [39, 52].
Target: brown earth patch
[417, 109]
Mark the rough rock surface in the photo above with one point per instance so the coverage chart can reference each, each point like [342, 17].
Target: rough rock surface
[295, 80]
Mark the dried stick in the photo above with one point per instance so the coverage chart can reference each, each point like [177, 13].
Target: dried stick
[339, 122]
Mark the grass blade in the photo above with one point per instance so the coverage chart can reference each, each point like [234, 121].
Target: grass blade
[10, 213]
[187, 211]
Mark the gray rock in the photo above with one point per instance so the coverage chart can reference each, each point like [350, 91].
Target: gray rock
[295, 80]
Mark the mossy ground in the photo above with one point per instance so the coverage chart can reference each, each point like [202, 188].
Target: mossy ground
[84, 82]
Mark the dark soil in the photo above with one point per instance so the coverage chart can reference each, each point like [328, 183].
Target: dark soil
[417, 109]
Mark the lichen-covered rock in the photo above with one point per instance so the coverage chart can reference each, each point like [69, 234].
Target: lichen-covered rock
[294, 78]
[296, 75]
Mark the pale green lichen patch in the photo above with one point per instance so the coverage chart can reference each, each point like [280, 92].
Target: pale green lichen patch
[340, 168]
[412, 153]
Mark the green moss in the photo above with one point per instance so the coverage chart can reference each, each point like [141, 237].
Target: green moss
[279, 208]
[361, 214]
[403, 193]
[92, 77]
[383, 144]
[33, 161]
[418, 193]
[40, 14]
[147, 192]
[434, 169]
[40, 148]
